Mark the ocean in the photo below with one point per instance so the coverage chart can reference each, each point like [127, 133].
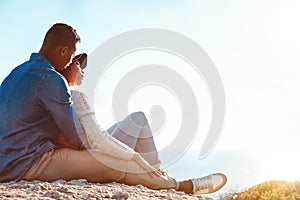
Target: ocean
[242, 168]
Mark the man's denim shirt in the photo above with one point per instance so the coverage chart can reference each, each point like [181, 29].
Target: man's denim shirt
[35, 105]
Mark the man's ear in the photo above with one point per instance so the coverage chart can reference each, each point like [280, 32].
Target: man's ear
[63, 50]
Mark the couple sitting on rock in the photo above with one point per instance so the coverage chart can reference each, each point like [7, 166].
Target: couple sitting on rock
[48, 132]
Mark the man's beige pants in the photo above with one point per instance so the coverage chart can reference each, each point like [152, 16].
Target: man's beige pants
[94, 166]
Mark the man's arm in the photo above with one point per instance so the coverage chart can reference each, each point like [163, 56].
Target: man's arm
[55, 98]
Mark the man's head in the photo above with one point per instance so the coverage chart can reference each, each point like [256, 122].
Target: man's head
[59, 45]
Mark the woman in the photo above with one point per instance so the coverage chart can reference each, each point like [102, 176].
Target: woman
[130, 139]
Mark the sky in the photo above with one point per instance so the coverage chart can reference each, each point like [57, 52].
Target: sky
[255, 46]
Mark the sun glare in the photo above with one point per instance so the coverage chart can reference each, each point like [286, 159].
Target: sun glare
[281, 165]
[283, 25]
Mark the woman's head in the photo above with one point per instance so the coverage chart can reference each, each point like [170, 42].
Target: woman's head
[74, 72]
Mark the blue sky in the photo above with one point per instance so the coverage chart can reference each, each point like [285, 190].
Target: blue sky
[255, 46]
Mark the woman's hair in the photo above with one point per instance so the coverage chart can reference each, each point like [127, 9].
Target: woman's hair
[70, 74]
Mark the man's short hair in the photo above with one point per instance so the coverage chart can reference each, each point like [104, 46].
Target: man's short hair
[61, 34]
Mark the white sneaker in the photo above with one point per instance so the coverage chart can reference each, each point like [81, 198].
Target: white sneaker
[208, 184]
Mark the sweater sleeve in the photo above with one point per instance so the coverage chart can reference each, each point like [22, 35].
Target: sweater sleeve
[96, 136]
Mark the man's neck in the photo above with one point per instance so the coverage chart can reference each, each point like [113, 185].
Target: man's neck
[50, 56]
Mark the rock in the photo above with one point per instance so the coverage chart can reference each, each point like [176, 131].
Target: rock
[53, 194]
[140, 187]
[79, 182]
[81, 189]
[120, 195]
[8, 183]
[108, 196]
[60, 181]
[36, 188]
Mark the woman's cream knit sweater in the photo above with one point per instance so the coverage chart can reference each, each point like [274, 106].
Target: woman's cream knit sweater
[96, 136]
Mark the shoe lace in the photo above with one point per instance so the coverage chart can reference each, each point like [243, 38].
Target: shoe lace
[204, 182]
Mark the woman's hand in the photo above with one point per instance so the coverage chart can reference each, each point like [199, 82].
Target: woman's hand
[145, 165]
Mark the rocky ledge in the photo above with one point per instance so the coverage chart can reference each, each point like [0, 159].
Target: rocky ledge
[81, 189]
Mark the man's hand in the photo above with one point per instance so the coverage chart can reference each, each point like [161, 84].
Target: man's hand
[60, 141]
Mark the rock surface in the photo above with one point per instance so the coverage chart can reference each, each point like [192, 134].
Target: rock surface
[81, 189]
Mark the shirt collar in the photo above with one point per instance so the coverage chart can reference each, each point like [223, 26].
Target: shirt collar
[38, 56]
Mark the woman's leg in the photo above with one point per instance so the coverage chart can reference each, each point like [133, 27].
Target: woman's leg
[135, 132]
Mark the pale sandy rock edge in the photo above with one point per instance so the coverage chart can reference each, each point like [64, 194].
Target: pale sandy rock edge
[81, 189]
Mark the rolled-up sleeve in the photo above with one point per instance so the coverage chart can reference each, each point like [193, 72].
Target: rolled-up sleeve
[54, 96]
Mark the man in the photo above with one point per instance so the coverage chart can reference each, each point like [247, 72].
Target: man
[36, 108]
[35, 105]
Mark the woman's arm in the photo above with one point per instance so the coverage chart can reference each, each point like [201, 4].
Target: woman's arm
[97, 137]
